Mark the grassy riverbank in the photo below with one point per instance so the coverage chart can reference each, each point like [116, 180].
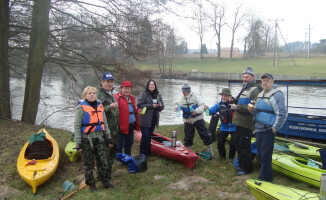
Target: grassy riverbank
[304, 67]
[213, 179]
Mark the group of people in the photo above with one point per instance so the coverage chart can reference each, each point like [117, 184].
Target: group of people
[105, 121]
[256, 110]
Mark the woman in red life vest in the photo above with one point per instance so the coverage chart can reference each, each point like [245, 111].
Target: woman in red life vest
[128, 116]
[91, 135]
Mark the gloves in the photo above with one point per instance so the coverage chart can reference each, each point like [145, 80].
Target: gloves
[78, 147]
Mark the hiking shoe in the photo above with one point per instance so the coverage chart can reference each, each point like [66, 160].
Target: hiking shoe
[108, 185]
[92, 187]
[241, 173]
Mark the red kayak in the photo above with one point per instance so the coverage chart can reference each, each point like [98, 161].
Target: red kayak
[180, 153]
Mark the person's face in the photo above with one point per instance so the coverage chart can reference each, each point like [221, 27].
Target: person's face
[126, 91]
[151, 86]
[185, 93]
[246, 78]
[225, 97]
[267, 83]
[107, 85]
[90, 95]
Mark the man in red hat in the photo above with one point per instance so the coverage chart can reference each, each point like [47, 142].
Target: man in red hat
[128, 116]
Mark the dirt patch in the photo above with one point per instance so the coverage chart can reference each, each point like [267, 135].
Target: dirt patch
[6, 192]
[187, 182]
[158, 177]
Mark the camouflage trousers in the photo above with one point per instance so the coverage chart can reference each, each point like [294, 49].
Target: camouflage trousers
[111, 153]
[100, 154]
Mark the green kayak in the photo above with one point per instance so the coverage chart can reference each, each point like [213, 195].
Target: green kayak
[265, 190]
[296, 168]
[303, 149]
[72, 153]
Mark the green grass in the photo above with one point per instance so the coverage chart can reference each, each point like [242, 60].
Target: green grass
[223, 184]
[316, 66]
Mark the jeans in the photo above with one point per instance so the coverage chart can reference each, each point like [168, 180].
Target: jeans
[243, 146]
[221, 144]
[145, 143]
[265, 147]
[125, 141]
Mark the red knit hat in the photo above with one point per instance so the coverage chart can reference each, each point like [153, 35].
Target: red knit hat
[126, 84]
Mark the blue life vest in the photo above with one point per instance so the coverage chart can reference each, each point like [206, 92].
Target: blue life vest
[186, 110]
[264, 110]
[244, 98]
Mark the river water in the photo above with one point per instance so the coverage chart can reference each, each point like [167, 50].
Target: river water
[59, 97]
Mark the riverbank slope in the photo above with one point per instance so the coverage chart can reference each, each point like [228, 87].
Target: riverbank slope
[164, 179]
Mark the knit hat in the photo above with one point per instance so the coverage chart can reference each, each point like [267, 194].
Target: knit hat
[107, 76]
[249, 70]
[126, 84]
[226, 91]
[186, 88]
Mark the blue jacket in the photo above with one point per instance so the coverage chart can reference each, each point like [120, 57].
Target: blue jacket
[228, 127]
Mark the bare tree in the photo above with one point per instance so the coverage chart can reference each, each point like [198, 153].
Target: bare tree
[217, 21]
[238, 19]
[5, 111]
[201, 26]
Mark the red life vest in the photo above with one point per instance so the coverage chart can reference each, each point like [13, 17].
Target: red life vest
[93, 119]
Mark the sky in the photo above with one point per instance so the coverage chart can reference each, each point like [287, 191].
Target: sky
[294, 15]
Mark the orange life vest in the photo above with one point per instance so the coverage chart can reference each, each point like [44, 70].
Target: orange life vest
[93, 119]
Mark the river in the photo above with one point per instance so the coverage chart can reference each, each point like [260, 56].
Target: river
[59, 97]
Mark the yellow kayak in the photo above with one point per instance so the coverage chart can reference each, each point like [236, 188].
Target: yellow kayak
[71, 152]
[267, 191]
[35, 172]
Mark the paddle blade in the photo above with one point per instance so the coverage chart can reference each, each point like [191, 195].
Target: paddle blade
[281, 148]
[67, 185]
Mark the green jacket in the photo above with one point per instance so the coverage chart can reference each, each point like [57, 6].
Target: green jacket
[112, 115]
[79, 114]
[242, 117]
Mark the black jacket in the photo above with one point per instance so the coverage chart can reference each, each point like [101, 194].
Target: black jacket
[145, 100]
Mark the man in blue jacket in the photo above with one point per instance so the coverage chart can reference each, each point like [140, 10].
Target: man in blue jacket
[269, 116]
[223, 108]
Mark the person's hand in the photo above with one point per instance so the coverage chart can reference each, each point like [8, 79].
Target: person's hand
[140, 111]
[233, 107]
[194, 113]
[78, 147]
[155, 105]
[206, 107]
[110, 142]
[113, 105]
[159, 104]
[251, 107]
[274, 131]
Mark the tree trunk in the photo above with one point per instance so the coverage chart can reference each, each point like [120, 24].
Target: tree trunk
[5, 111]
[38, 42]
[232, 43]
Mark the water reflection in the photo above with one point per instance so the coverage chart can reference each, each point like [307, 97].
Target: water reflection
[59, 96]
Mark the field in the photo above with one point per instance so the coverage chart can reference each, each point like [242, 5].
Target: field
[316, 66]
[164, 179]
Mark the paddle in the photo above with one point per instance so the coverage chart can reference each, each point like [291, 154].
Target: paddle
[285, 148]
[67, 185]
[296, 144]
[81, 186]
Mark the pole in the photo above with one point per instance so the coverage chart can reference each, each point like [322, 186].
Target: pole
[309, 44]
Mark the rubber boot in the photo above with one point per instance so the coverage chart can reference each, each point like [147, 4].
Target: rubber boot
[210, 149]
